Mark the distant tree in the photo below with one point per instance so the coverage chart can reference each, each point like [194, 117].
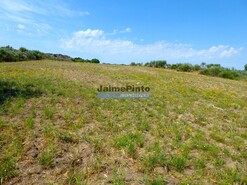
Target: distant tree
[37, 54]
[23, 56]
[213, 65]
[230, 74]
[22, 49]
[132, 64]
[245, 67]
[8, 54]
[174, 66]
[197, 67]
[168, 66]
[215, 71]
[135, 64]
[95, 60]
[185, 67]
[157, 64]
[34, 55]
[161, 63]
[9, 47]
[147, 64]
[78, 59]
[203, 65]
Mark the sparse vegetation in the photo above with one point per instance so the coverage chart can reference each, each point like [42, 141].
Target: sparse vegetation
[54, 129]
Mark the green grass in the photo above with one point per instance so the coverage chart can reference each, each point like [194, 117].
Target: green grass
[191, 131]
[130, 142]
[30, 122]
[8, 169]
[76, 177]
[46, 158]
[179, 163]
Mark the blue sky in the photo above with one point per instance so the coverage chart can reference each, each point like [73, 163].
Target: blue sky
[122, 31]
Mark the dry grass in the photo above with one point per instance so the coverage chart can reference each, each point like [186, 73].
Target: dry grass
[54, 129]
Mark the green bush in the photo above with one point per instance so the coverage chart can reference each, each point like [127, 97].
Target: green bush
[23, 56]
[212, 71]
[196, 67]
[215, 71]
[22, 49]
[95, 60]
[213, 65]
[185, 67]
[157, 64]
[174, 66]
[79, 59]
[9, 54]
[230, 74]
[223, 72]
[204, 72]
[135, 64]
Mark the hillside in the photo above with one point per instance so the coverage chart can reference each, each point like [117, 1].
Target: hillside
[54, 129]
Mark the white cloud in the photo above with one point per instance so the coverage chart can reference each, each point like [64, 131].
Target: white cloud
[116, 31]
[15, 6]
[126, 30]
[46, 8]
[36, 15]
[33, 29]
[95, 42]
[228, 53]
[63, 10]
[21, 27]
[88, 33]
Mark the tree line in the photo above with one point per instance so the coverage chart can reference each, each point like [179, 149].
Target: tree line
[203, 68]
[9, 54]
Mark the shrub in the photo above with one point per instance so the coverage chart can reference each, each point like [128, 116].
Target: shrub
[39, 55]
[9, 54]
[215, 71]
[160, 63]
[174, 66]
[132, 64]
[204, 72]
[230, 74]
[135, 64]
[95, 60]
[22, 49]
[147, 64]
[213, 65]
[185, 67]
[197, 67]
[222, 72]
[157, 64]
[23, 56]
[78, 59]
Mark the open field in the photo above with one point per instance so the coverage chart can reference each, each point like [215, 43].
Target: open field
[54, 129]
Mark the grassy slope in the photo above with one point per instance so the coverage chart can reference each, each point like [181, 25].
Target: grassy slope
[53, 128]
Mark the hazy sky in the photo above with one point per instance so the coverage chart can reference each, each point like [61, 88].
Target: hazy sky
[122, 31]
